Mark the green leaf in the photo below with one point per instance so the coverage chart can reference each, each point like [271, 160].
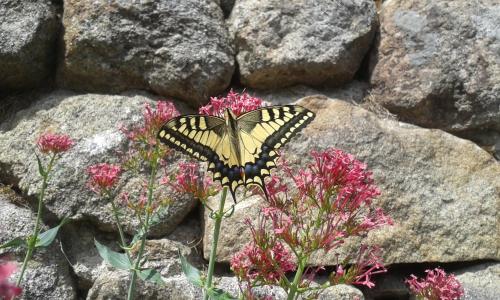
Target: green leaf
[193, 275]
[117, 260]
[17, 242]
[46, 238]
[219, 294]
[40, 166]
[151, 275]
[159, 215]
[137, 237]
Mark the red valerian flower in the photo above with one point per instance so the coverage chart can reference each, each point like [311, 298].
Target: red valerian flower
[368, 264]
[238, 103]
[189, 179]
[153, 120]
[54, 143]
[103, 177]
[8, 290]
[437, 285]
[265, 265]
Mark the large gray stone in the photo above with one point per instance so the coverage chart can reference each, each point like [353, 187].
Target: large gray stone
[437, 63]
[281, 43]
[442, 191]
[174, 48]
[93, 121]
[47, 275]
[28, 32]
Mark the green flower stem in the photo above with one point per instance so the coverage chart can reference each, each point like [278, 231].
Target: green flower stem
[120, 230]
[32, 240]
[296, 280]
[211, 263]
[152, 178]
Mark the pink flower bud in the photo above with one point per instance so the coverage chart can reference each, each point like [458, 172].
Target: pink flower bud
[238, 103]
[55, 143]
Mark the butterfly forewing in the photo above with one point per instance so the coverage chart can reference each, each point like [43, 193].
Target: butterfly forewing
[195, 135]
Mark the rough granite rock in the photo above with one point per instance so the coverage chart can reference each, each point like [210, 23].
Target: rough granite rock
[92, 120]
[480, 282]
[113, 285]
[280, 43]
[437, 63]
[163, 256]
[28, 32]
[174, 48]
[338, 292]
[442, 191]
[78, 244]
[341, 292]
[48, 273]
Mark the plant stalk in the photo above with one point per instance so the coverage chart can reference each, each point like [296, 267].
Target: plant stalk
[32, 241]
[120, 230]
[131, 290]
[211, 263]
[296, 280]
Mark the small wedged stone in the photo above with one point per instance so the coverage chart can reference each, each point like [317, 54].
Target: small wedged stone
[481, 281]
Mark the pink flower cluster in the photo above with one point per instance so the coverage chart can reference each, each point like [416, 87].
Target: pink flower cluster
[153, 120]
[330, 201]
[8, 290]
[103, 177]
[54, 143]
[238, 103]
[339, 173]
[188, 179]
[265, 265]
[336, 190]
[437, 285]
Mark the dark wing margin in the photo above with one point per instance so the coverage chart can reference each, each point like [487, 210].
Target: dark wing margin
[274, 126]
[194, 135]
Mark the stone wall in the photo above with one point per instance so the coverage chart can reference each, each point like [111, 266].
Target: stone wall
[412, 88]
